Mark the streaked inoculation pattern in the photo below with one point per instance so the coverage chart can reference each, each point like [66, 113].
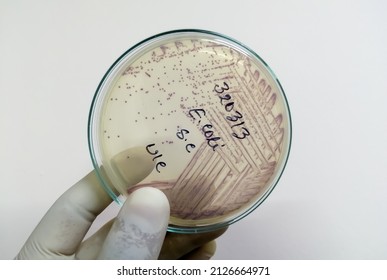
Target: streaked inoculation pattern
[211, 117]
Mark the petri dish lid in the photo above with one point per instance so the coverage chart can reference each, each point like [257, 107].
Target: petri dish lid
[199, 116]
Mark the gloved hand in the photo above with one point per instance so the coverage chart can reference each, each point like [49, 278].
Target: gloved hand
[138, 231]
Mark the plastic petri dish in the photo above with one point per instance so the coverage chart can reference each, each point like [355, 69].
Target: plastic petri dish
[197, 115]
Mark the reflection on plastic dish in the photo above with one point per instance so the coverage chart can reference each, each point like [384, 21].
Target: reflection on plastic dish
[197, 115]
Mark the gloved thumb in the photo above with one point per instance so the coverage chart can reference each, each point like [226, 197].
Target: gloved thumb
[139, 230]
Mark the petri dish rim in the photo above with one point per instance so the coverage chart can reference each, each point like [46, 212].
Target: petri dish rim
[97, 102]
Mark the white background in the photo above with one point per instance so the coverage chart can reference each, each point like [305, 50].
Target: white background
[330, 56]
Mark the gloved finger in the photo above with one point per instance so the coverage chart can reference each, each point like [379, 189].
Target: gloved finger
[90, 248]
[177, 245]
[62, 229]
[65, 224]
[139, 229]
[205, 252]
[133, 165]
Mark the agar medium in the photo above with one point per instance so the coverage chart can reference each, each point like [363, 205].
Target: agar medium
[197, 115]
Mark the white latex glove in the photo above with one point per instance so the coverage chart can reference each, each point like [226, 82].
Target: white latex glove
[136, 233]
